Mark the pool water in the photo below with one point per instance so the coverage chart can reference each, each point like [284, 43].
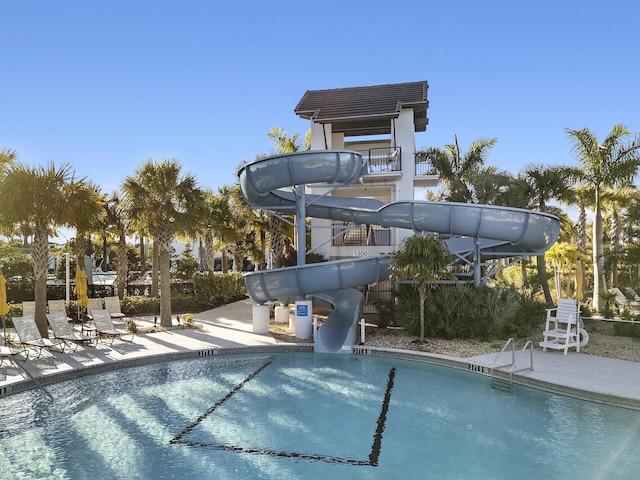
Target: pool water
[304, 415]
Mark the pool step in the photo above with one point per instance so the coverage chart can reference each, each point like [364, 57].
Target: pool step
[502, 384]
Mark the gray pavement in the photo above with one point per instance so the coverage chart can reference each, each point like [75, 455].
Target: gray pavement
[229, 329]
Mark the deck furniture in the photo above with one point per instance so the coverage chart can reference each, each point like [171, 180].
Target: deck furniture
[563, 327]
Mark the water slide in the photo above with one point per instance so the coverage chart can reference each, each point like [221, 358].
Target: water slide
[493, 232]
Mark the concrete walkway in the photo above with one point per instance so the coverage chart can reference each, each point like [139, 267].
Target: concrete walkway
[229, 329]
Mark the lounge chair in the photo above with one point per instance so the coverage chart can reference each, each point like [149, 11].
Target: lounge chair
[12, 355]
[95, 304]
[112, 305]
[62, 330]
[104, 326]
[623, 302]
[59, 306]
[632, 295]
[563, 327]
[29, 335]
[29, 308]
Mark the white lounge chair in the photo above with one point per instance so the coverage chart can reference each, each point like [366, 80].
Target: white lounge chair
[112, 305]
[30, 336]
[58, 306]
[95, 304]
[623, 302]
[563, 327]
[62, 330]
[104, 326]
[29, 308]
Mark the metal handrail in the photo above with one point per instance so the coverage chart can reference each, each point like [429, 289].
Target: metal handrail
[524, 349]
[513, 354]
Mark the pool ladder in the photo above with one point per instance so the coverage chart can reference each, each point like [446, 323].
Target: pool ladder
[505, 382]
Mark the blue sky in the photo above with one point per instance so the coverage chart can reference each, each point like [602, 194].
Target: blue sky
[104, 85]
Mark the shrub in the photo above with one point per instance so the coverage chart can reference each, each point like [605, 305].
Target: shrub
[626, 330]
[213, 290]
[462, 311]
[131, 325]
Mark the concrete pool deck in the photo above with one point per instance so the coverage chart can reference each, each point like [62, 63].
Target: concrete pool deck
[229, 329]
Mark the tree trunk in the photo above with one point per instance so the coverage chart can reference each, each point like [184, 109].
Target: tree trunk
[155, 271]
[277, 243]
[209, 252]
[40, 261]
[543, 279]
[121, 266]
[163, 245]
[599, 282]
[143, 257]
[422, 291]
[225, 261]
[523, 272]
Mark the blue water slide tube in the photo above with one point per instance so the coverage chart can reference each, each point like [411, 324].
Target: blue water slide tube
[496, 231]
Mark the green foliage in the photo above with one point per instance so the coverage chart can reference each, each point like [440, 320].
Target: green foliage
[461, 311]
[187, 265]
[16, 264]
[291, 258]
[218, 289]
[131, 325]
[188, 319]
[626, 330]
[140, 305]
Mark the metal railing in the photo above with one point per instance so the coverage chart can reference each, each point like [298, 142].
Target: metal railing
[351, 235]
[386, 159]
[424, 166]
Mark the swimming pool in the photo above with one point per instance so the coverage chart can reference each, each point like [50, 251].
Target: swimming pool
[304, 415]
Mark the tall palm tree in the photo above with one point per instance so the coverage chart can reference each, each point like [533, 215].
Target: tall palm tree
[423, 260]
[85, 211]
[119, 225]
[37, 197]
[540, 185]
[170, 204]
[609, 164]
[282, 143]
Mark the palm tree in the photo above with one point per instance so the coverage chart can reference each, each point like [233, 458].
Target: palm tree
[540, 185]
[37, 197]
[609, 164]
[169, 204]
[119, 225]
[455, 167]
[85, 211]
[282, 144]
[422, 260]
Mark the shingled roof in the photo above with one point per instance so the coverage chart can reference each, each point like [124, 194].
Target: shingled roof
[359, 111]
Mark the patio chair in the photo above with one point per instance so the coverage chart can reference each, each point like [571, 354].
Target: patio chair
[29, 335]
[563, 327]
[11, 354]
[59, 306]
[95, 304]
[62, 330]
[29, 308]
[623, 302]
[632, 295]
[112, 305]
[104, 326]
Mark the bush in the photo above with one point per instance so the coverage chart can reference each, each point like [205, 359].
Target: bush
[626, 330]
[216, 289]
[462, 311]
